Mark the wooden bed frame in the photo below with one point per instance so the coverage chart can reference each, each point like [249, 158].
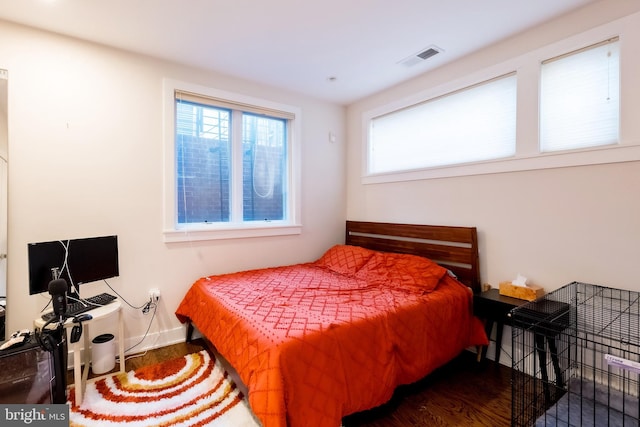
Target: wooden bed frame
[455, 248]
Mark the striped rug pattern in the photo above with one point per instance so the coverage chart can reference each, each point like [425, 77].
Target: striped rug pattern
[194, 390]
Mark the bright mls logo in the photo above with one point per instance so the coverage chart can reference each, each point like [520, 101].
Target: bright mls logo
[34, 415]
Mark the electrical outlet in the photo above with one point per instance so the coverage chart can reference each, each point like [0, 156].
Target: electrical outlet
[154, 294]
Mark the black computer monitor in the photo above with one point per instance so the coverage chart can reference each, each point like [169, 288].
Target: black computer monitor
[78, 261]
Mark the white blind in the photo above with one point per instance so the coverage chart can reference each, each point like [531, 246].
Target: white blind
[473, 124]
[181, 95]
[580, 98]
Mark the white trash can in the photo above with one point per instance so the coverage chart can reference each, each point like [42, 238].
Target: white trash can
[103, 353]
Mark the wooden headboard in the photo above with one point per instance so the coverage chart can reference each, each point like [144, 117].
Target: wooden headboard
[455, 248]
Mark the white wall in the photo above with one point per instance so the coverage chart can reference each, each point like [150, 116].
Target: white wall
[555, 225]
[85, 159]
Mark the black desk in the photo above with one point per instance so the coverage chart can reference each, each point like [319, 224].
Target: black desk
[494, 308]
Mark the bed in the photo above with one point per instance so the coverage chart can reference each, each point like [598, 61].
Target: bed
[317, 341]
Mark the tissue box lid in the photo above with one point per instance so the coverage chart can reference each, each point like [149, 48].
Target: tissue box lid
[529, 293]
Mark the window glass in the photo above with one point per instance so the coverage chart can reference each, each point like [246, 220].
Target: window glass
[203, 163]
[580, 98]
[210, 157]
[264, 168]
[473, 124]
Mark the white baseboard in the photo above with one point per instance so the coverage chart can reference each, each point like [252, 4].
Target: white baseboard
[154, 340]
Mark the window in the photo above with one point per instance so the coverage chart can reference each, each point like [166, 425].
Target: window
[580, 98]
[233, 166]
[469, 125]
[571, 111]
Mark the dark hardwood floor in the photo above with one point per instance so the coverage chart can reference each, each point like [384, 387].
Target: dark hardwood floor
[462, 393]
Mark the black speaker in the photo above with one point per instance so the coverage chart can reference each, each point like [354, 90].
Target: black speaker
[29, 374]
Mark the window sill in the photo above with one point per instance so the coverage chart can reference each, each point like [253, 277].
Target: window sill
[617, 154]
[201, 233]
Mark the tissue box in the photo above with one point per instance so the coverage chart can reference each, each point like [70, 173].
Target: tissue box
[529, 292]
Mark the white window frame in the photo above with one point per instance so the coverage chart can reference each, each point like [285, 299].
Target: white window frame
[228, 230]
[528, 155]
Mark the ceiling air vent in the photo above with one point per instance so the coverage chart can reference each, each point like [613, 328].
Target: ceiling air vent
[421, 56]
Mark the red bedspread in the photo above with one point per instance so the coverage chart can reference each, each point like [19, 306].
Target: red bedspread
[315, 342]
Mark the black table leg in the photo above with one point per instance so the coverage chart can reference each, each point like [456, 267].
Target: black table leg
[542, 356]
[556, 363]
[499, 341]
[488, 326]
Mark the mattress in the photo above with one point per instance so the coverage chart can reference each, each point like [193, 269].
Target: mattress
[318, 341]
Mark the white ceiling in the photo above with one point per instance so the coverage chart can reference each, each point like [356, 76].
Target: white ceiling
[295, 44]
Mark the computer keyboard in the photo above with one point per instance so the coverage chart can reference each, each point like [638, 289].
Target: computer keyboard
[87, 304]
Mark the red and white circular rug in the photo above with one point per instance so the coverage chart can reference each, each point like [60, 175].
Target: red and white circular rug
[194, 390]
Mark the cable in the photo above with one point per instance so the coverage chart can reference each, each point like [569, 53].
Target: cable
[47, 306]
[148, 306]
[45, 338]
[81, 301]
[123, 299]
[65, 265]
[133, 356]
[155, 308]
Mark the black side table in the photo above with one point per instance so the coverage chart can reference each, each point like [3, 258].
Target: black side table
[494, 308]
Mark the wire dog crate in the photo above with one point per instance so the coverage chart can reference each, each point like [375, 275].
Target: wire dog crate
[576, 358]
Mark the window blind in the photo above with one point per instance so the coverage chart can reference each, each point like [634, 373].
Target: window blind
[580, 98]
[472, 124]
[231, 105]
